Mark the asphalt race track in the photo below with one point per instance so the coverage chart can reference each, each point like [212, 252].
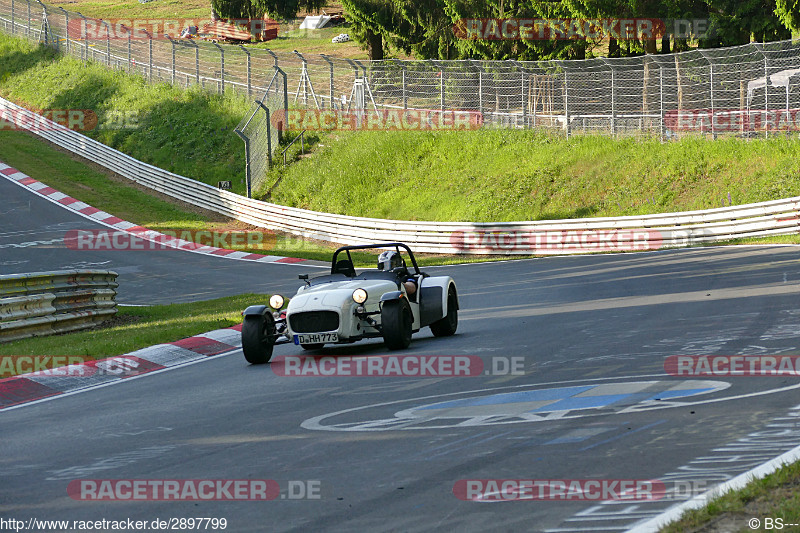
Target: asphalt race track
[591, 399]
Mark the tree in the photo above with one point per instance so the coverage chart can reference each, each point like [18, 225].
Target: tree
[281, 9]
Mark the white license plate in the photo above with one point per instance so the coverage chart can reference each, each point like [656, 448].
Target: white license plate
[315, 338]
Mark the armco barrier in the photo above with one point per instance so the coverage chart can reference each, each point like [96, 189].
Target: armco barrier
[646, 232]
[43, 303]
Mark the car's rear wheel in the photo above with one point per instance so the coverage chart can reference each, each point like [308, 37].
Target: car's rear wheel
[315, 346]
[396, 324]
[258, 338]
[447, 326]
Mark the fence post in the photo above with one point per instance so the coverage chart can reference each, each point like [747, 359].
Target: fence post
[613, 95]
[274, 56]
[28, 35]
[269, 137]
[766, 92]
[13, 22]
[108, 42]
[711, 90]
[149, 55]
[249, 86]
[85, 55]
[661, 101]
[221, 67]
[196, 62]
[246, 160]
[45, 27]
[522, 72]
[172, 45]
[130, 36]
[66, 29]
[330, 87]
[566, 102]
[285, 99]
[403, 81]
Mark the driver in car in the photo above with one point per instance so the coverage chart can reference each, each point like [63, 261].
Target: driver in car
[391, 261]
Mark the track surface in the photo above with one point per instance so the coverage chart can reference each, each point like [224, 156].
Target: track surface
[381, 461]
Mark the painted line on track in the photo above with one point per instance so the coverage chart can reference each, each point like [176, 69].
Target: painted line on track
[28, 389]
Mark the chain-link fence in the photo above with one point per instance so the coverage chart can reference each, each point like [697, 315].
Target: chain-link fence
[744, 90]
[261, 130]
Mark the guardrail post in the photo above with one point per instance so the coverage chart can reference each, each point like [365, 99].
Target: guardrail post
[249, 86]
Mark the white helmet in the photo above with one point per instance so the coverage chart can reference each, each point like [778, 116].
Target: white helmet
[390, 260]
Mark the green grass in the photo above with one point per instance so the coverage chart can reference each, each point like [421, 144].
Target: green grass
[141, 327]
[506, 175]
[189, 132]
[774, 496]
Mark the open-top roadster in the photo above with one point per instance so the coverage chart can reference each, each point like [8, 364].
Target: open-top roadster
[392, 301]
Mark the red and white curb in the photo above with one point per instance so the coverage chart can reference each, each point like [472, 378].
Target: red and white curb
[106, 219]
[22, 389]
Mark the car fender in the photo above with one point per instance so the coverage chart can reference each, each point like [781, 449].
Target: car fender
[256, 310]
[433, 298]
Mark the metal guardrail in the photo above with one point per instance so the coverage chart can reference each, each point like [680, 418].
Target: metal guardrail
[776, 217]
[44, 303]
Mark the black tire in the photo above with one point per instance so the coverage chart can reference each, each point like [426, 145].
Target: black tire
[447, 326]
[396, 324]
[315, 346]
[258, 338]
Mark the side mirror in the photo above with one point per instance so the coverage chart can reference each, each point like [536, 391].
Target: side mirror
[304, 277]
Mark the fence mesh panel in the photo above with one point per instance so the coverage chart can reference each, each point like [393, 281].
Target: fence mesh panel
[748, 90]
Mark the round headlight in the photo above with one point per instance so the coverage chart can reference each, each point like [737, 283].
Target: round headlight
[359, 296]
[276, 301]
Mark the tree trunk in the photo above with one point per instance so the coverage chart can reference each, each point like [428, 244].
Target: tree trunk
[374, 45]
[613, 47]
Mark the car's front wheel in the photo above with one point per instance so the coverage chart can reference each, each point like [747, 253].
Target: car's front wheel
[396, 324]
[258, 338]
[447, 326]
